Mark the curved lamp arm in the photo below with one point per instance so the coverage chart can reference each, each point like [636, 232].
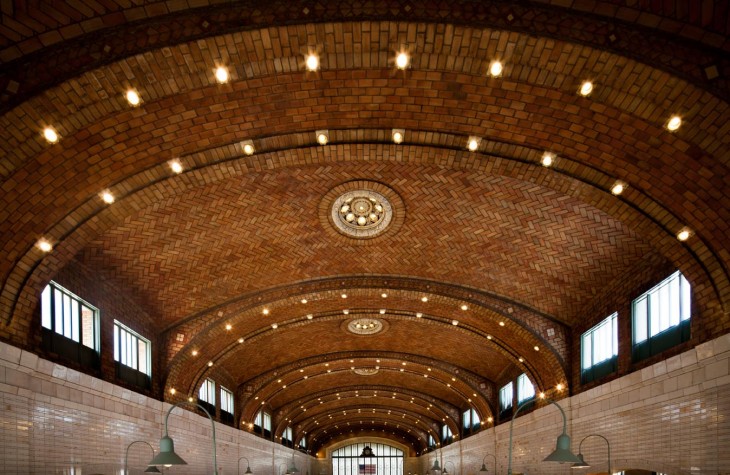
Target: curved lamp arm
[580, 454]
[248, 466]
[166, 441]
[126, 455]
[563, 439]
[484, 464]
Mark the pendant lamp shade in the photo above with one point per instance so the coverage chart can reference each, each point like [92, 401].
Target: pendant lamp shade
[436, 467]
[152, 469]
[484, 468]
[581, 464]
[167, 455]
[562, 451]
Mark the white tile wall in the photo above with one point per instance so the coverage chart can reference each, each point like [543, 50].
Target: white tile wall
[673, 417]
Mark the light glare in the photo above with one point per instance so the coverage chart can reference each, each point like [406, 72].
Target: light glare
[44, 245]
[402, 60]
[312, 62]
[495, 69]
[586, 88]
[50, 135]
[674, 123]
[133, 97]
[221, 74]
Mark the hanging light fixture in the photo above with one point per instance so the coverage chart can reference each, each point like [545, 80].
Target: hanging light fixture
[583, 463]
[150, 468]
[484, 465]
[248, 466]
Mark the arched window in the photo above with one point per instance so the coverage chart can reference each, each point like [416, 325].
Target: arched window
[388, 460]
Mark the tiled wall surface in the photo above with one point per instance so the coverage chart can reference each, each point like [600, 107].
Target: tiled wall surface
[672, 417]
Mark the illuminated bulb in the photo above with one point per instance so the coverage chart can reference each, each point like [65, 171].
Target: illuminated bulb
[304, 300]
[133, 97]
[265, 311]
[473, 144]
[240, 340]
[424, 299]
[50, 135]
[419, 315]
[382, 311]
[175, 166]
[495, 69]
[501, 324]
[346, 311]
[402, 60]
[490, 419]
[312, 62]
[274, 326]
[195, 352]
[210, 363]
[344, 296]
[190, 399]
[248, 147]
[542, 395]
[560, 387]
[674, 123]
[489, 337]
[684, 234]
[537, 348]
[521, 360]
[586, 88]
[398, 137]
[322, 137]
[172, 391]
[618, 188]
[221, 75]
[228, 326]
[107, 197]
[310, 316]
[454, 322]
[464, 307]
[547, 159]
[44, 245]
[384, 295]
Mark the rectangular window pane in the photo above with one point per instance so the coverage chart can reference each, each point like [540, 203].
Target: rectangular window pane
[686, 298]
[226, 400]
[46, 310]
[116, 343]
[67, 316]
[505, 396]
[88, 327]
[132, 350]
[640, 320]
[58, 304]
[142, 356]
[525, 389]
[75, 321]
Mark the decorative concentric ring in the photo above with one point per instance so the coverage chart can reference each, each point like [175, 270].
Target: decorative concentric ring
[361, 213]
[365, 326]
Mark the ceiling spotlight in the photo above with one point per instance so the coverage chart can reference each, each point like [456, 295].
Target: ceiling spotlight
[304, 300]
[310, 316]
[194, 352]
[172, 391]
[402, 60]
[247, 147]
[210, 363]
[44, 245]
[312, 62]
[346, 311]
[398, 135]
[323, 136]
[133, 98]
[419, 315]
[674, 123]
[50, 134]
[107, 197]
[265, 311]
[175, 166]
[684, 234]
[618, 188]
[190, 399]
[384, 295]
[424, 299]
[501, 324]
[547, 159]
[344, 296]
[537, 348]
[473, 143]
[228, 326]
[489, 337]
[240, 340]
[464, 307]
[521, 360]
[560, 387]
[495, 69]
[542, 395]
[586, 88]
[274, 326]
[455, 322]
[221, 75]
[382, 311]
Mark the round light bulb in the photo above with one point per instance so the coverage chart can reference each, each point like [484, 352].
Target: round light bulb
[402, 60]
[44, 245]
[683, 235]
[586, 88]
[397, 137]
[107, 197]
[674, 122]
[50, 135]
[473, 145]
[133, 97]
[495, 69]
[176, 166]
[221, 74]
[547, 159]
[618, 188]
[312, 62]
[248, 149]
[322, 139]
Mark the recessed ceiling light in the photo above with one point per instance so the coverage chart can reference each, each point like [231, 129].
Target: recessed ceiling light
[490, 419]
[247, 147]
[50, 134]
[312, 62]
[560, 387]
[501, 324]
[398, 135]
[346, 311]
[107, 197]
[537, 348]
[384, 295]
[240, 340]
[547, 159]
[521, 360]
[274, 326]
[221, 75]
[489, 337]
[190, 399]
[44, 245]
[304, 300]
[194, 352]
[674, 123]
[586, 88]
[323, 136]
[684, 234]
[382, 311]
[210, 363]
[542, 395]
[310, 316]
[464, 307]
[133, 98]
[424, 299]
[402, 60]
[403, 363]
[618, 188]
[454, 322]
[495, 69]
[265, 311]
[419, 315]
[175, 166]
[344, 296]
[228, 326]
[172, 391]
[473, 144]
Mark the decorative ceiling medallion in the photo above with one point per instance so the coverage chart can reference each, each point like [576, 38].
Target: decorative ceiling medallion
[361, 213]
[365, 326]
[362, 210]
[366, 371]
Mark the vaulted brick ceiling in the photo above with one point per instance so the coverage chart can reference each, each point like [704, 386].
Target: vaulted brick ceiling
[525, 248]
